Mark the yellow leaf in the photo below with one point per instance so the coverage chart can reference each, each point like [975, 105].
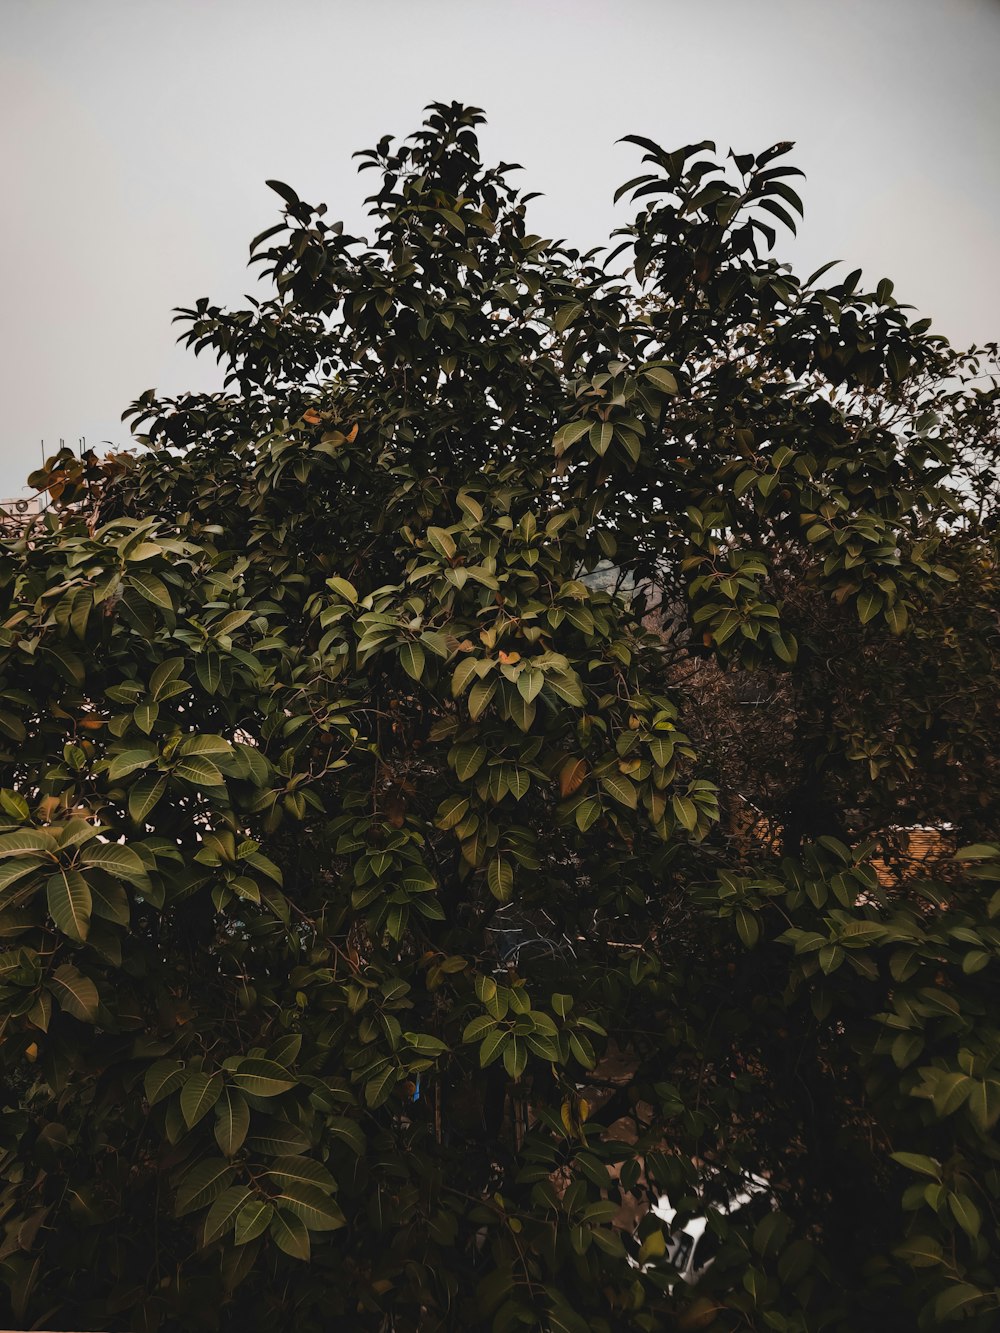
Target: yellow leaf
[571, 776]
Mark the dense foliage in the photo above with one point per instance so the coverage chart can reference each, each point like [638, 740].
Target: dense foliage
[382, 925]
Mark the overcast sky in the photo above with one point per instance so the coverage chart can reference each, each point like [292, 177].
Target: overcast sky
[137, 135]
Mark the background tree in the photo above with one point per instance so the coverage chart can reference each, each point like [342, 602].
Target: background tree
[363, 890]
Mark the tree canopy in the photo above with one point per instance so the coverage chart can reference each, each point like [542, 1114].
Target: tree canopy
[383, 928]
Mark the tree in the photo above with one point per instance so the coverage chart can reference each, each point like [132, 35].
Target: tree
[373, 948]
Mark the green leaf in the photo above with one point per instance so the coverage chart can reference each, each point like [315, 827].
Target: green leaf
[163, 1078]
[311, 1205]
[40, 1012]
[621, 788]
[500, 877]
[468, 761]
[906, 1047]
[965, 1213]
[515, 1057]
[491, 1047]
[956, 1300]
[75, 832]
[286, 192]
[75, 993]
[252, 1220]
[198, 1096]
[262, 1078]
[199, 771]
[70, 903]
[13, 804]
[984, 1103]
[127, 762]
[295, 1168]
[166, 672]
[565, 316]
[144, 796]
[13, 870]
[112, 902]
[661, 748]
[796, 1261]
[69, 663]
[276, 1137]
[344, 588]
[784, 646]
[478, 1027]
[221, 1217]
[840, 850]
[412, 659]
[486, 989]
[869, 604]
[205, 744]
[453, 220]
[950, 1091]
[529, 683]
[379, 1089]
[286, 1049]
[663, 379]
[12, 727]
[232, 1120]
[115, 858]
[770, 1232]
[152, 588]
[654, 1246]
[568, 435]
[202, 1185]
[479, 697]
[451, 811]
[975, 960]
[145, 715]
[464, 672]
[925, 1166]
[685, 811]
[587, 813]
[442, 542]
[582, 1050]
[264, 866]
[747, 927]
[920, 1251]
[83, 604]
[208, 669]
[470, 505]
[339, 1127]
[522, 711]
[142, 551]
[976, 851]
[566, 686]
[601, 435]
[26, 842]
[289, 1233]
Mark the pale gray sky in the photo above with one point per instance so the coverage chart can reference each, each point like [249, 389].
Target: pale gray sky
[137, 135]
